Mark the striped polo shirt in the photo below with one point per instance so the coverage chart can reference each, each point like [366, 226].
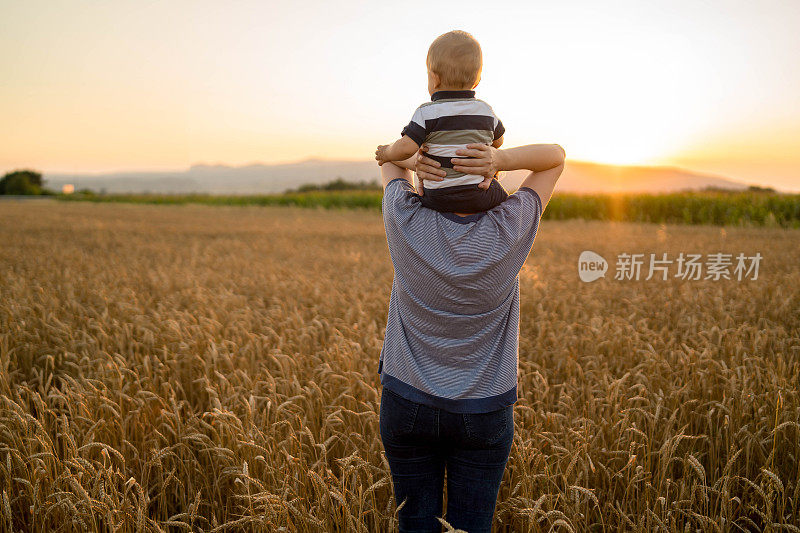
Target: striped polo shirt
[452, 332]
[450, 121]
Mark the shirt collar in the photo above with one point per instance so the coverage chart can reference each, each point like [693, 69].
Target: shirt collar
[439, 95]
[463, 220]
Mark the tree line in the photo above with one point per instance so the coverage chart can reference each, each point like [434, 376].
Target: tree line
[23, 182]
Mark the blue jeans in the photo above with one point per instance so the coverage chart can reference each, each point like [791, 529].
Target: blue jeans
[420, 441]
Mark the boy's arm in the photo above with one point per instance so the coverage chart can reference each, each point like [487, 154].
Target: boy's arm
[401, 149]
[497, 143]
[411, 138]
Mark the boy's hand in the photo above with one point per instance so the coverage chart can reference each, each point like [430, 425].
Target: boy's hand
[380, 154]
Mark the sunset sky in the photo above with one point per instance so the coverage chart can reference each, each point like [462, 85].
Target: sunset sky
[117, 85]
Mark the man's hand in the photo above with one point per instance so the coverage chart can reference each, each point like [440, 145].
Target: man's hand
[380, 154]
[484, 161]
[426, 168]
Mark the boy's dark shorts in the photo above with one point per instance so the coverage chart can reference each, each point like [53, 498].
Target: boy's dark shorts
[464, 198]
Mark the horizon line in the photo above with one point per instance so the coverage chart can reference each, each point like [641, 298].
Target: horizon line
[313, 159]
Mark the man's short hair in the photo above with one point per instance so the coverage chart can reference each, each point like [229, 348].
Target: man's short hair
[456, 58]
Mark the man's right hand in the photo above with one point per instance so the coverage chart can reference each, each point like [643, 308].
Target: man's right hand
[484, 160]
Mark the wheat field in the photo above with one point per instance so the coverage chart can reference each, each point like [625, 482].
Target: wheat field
[197, 368]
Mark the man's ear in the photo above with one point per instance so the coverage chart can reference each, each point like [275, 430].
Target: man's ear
[477, 81]
[437, 81]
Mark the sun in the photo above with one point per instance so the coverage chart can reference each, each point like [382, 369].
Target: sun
[620, 149]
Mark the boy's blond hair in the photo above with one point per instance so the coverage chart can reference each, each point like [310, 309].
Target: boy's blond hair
[457, 59]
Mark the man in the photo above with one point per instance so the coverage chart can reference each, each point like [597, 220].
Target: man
[449, 359]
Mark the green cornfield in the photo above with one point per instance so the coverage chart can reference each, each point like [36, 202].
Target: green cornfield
[714, 208]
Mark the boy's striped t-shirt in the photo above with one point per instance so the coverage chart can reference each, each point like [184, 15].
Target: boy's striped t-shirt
[449, 122]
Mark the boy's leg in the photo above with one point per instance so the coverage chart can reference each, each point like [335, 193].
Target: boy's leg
[496, 194]
[465, 198]
[484, 200]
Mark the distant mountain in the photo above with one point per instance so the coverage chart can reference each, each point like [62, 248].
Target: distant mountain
[597, 178]
[263, 179]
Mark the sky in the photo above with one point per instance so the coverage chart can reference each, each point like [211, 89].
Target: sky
[98, 86]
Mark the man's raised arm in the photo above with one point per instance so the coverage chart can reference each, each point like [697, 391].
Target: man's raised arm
[390, 171]
[545, 161]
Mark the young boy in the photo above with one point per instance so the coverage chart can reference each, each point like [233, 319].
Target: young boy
[451, 120]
